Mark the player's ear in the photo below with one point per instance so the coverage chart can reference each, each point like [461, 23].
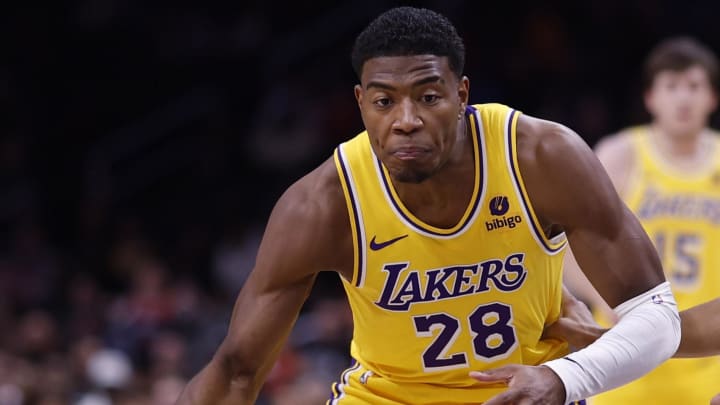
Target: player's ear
[463, 92]
[358, 94]
[649, 100]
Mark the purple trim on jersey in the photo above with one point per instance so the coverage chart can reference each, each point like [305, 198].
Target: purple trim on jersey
[468, 110]
[343, 382]
[356, 218]
[515, 172]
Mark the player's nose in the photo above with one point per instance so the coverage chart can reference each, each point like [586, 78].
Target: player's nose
[406, 119]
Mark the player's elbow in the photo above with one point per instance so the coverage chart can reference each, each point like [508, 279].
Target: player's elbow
[668, 334]
[663, 323]
[238, 368]
[651, 319]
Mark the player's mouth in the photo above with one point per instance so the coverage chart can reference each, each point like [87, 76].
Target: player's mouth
[683, 117]
[410, 152]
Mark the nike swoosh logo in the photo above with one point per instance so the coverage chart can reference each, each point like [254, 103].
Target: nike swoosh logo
[377, 246]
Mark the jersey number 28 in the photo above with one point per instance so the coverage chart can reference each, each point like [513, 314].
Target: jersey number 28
[492, 329]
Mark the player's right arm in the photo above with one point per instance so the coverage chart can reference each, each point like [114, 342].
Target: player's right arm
[617, 155]
[302, 238]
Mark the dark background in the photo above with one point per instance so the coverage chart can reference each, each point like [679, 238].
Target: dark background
[143, 144]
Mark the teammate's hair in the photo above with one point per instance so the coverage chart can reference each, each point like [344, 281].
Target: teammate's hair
[677, 54]
[409, 31]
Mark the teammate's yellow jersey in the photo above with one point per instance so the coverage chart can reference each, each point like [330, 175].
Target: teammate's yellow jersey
[681, 214]
[431, 304]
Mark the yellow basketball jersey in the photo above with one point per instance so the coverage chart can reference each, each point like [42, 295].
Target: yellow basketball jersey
[431, 304]
[681, 214]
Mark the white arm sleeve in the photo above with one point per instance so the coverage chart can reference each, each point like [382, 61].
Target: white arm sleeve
[647, 334]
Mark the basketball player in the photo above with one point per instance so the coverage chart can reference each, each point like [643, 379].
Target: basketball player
[446, 223]
[668, 172]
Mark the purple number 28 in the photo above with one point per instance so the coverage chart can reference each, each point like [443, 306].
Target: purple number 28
[490, 324]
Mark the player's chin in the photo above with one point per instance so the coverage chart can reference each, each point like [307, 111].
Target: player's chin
[411, 175]
[688, 125]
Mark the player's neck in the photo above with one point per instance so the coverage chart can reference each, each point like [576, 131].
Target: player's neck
[681, 150]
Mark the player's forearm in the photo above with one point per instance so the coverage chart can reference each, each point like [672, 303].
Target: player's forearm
[219, 384]
[647, 334]
[700, 330]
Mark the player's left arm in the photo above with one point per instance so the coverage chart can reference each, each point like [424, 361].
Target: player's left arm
[700, 327]
[570, 190]
[700, 330]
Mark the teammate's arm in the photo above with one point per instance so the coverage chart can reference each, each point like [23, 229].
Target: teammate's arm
[700, 330]
[569, 190]
[294, 248]
[575, 325]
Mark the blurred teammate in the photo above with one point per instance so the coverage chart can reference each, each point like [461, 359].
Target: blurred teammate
[446, 223]
[668, 172]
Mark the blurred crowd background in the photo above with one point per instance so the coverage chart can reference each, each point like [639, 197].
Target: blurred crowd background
[142, 145]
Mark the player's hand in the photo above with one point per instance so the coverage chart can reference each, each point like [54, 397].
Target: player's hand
[715, 400]
[527, 385]
[576, 324]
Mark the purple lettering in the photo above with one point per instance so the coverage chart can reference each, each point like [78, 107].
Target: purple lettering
[393, 271]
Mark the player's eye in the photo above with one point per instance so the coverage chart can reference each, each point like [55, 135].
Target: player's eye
[430, 98]
[382, 102]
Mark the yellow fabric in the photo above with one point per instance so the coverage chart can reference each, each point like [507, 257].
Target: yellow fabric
[681, 213]
[436, 303]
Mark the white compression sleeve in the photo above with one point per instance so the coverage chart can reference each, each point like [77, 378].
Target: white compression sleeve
[647, 334]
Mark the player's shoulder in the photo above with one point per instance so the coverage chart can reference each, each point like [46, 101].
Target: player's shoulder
[537, 138]
[317, 196]
[548, 151]
[619, 156]
[618, 150]
[619, 145]
[313, 213]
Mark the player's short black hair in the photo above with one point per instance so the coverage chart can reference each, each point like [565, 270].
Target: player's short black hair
[408, 31]
[680, 53]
